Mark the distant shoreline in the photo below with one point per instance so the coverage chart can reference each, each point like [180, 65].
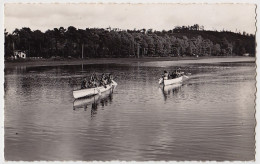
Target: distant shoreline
[151, 61]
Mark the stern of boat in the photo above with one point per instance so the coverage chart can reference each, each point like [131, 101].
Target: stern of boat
[114, 83]
[160, 80]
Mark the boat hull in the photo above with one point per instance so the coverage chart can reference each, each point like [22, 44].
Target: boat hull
[92, 91]
[92, 99]
[172, 81]
[171, 87]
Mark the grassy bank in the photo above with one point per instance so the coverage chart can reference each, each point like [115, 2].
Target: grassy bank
[128, 61]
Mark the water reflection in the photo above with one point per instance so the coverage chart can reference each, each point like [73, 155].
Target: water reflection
[94, 102]
[211, 115]
[170, 90]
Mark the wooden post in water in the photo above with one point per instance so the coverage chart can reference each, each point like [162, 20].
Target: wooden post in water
[82, 51]
[13, 49]
[138, 50]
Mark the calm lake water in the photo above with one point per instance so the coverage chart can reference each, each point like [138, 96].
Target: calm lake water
[208, 117]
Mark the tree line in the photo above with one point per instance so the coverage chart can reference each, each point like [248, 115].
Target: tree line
[108, 42]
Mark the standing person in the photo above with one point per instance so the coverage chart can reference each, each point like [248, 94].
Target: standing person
[165, 75]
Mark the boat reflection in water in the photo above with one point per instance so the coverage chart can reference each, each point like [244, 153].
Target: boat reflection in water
[94, 102]
[169, 90]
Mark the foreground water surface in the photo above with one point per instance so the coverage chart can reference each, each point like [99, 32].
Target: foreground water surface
[208, 117]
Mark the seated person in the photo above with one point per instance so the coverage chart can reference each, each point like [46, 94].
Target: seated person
[103, 80]
[109, 79]
[83, 84]
[174, 75]
[92, 82]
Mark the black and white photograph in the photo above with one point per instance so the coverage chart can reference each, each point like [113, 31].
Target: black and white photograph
[129, 82]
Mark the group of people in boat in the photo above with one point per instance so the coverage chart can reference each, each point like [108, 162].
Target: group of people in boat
[175, 74]
[96, 82]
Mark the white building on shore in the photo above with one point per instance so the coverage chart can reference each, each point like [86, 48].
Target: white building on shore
[19, 54]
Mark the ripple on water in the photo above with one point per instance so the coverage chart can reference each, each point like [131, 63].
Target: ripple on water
[208, 117]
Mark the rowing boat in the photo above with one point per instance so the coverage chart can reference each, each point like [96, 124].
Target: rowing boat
[93, 91]
[172, 87]
[173, 81]
[81, 102]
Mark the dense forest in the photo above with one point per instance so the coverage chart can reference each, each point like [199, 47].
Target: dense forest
[99, 42]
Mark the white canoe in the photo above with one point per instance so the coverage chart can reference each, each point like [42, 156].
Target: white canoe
[171, 87]
[173, 81]
[92, 91]
[89, 100]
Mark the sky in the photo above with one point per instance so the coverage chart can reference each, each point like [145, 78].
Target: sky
[233, 17]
